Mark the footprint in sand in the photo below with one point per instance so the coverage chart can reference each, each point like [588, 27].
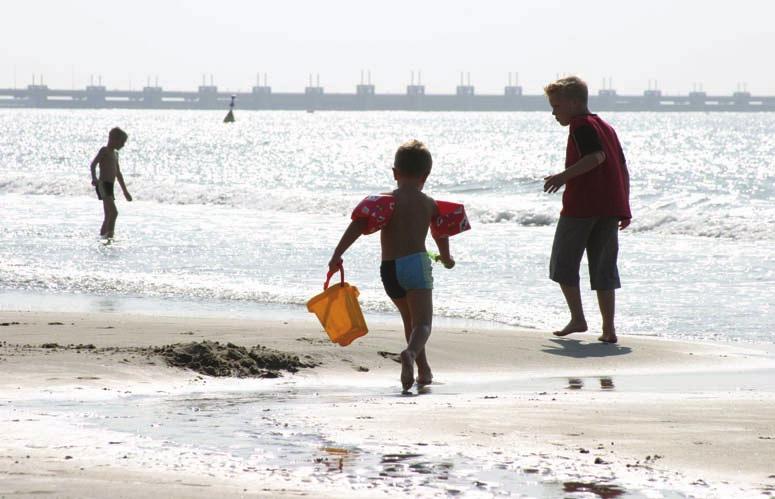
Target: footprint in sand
[313, 341]
[395, 357]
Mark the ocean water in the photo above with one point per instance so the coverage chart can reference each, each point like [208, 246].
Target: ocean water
[238, 219]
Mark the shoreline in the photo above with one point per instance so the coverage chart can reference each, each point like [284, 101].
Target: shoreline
[86, 304]
[159, 307]
[696, 416]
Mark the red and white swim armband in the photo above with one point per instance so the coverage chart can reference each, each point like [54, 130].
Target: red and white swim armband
[451, 219]
[376, 210]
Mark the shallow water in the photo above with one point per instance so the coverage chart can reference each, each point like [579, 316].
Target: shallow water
[228, 218]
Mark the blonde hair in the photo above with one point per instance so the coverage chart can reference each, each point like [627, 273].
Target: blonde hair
[570, 87]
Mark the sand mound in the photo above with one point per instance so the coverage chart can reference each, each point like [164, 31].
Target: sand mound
[216, 359]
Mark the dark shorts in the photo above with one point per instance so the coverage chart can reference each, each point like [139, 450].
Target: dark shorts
[599, 236]
[104, 190]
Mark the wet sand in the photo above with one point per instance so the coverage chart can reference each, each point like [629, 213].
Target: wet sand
[510, 411]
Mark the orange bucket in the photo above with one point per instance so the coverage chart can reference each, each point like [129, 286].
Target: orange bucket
[338, 310]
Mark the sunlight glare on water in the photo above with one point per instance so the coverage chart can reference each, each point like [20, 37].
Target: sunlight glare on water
[248, 213]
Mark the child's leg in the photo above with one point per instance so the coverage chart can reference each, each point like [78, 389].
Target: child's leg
[420, 303]
[570, 241]
[424, 374]
[578, 323]
[105, 218]
[607, 301]
[112, 214]
[602, 254]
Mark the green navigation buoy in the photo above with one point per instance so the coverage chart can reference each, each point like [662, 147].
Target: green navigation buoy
[230, 115]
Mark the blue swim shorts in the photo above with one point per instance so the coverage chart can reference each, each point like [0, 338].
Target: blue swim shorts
[406, 273]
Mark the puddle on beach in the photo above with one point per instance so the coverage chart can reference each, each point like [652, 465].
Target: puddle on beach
[277, 433]
[277, 430]
[274, 433]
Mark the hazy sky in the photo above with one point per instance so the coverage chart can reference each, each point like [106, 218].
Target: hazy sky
[678, 43]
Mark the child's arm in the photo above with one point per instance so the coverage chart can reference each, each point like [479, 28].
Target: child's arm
[93, 166]
[626, 173]
[587, 163]
[351, 234]
[120, 179]
[443, 244]
[625, 222]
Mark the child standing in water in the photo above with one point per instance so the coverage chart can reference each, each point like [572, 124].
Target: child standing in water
[107, 158]
[404, 216]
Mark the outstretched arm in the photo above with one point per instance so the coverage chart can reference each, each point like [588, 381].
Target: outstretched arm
[120, 179]
[587, 163]
[93, 166]
[351, 234]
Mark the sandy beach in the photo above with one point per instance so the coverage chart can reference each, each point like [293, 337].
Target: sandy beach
[88, 410]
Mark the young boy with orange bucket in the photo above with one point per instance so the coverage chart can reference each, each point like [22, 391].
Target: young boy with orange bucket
[404, 217]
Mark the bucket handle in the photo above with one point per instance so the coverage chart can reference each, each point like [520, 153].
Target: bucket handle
[331, 274]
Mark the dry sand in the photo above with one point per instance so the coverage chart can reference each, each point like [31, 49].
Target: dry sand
[645, 414]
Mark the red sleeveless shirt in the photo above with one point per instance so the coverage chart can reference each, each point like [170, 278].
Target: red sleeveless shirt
[603, 191]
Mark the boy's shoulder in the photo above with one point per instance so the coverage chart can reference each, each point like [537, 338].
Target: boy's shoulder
[425, 198]
[588, 119]
[394, 194]
[583, 119]
[592, 121]
[416, 199]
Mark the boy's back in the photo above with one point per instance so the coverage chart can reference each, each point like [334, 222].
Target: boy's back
[404, 218]
[408, 227]
[602, 191]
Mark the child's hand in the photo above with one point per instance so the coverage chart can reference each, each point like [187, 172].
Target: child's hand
[448, 262]
[624, 223]
[552, 183]
[128, 196]
[334, 264]
[94, 182]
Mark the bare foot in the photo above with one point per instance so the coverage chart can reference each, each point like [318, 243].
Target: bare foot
[407, 369]
[424, 376]
[572, 327]
[608, 338]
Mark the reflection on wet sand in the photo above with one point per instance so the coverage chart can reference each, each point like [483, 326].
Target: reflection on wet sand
[335, 458]
[604, 491]
[606, 383]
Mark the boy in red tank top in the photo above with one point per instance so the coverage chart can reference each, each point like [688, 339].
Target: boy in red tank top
[595, 205]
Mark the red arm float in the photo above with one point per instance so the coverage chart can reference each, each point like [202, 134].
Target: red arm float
[376, 210]
[451, 219]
